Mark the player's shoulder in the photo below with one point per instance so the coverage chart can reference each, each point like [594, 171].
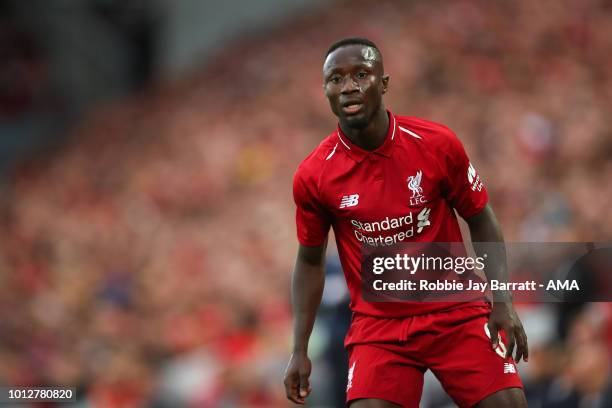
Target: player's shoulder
[426, 131]
[316, 161]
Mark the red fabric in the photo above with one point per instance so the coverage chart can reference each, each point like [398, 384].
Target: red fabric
[367, 199]
[454, 345]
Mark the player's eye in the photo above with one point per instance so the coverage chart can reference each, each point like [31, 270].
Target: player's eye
[335, 79]
[362, 75]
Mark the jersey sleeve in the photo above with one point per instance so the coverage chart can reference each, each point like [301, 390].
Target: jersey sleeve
[465, 190]
[311, 219]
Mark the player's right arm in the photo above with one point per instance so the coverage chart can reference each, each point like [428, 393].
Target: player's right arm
[312, 223]
[306, 291]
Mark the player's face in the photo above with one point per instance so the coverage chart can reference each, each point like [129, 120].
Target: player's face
[354, 82]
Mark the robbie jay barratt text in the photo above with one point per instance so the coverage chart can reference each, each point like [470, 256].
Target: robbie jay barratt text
[494, 285]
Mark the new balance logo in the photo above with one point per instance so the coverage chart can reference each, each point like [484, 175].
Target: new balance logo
[509, 368]
[349, 201]
[351, 371]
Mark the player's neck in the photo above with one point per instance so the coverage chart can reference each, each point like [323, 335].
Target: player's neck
[373, 135]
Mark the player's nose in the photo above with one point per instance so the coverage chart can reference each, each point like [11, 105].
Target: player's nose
[349, 85]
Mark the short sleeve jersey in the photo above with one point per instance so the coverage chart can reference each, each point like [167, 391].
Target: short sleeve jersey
[404, 191]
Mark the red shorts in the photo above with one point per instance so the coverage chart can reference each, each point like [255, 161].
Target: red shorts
[454, 345]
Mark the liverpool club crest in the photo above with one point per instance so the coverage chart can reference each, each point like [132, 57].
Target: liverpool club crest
[414, 184]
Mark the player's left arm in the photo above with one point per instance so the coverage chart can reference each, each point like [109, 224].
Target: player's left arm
[466, 193]
[484, 227]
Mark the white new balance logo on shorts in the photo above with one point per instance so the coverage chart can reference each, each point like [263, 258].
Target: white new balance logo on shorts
[509, 368]
[349, 200]
[351, 372]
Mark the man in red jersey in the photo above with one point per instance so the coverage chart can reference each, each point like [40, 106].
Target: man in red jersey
[378, 180]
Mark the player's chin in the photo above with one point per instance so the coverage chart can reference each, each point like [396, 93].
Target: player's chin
[358, 121]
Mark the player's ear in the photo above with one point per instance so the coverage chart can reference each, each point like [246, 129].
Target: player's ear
[385, 83]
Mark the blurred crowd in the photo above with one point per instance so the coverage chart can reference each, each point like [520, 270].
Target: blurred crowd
[147, 262]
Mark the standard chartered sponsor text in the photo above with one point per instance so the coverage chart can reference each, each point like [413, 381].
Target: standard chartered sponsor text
[387, 224]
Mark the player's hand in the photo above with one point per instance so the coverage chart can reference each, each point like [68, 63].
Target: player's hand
[297, 386]
[503, 316]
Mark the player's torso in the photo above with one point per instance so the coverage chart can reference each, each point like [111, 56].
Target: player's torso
[399, 193]
[384, 200]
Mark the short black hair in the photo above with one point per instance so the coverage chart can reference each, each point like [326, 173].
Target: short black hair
[353, 41]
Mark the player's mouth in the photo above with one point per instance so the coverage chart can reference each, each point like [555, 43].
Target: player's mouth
[351, 108]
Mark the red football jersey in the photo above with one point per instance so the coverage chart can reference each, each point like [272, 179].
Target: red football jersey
[404, 191]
